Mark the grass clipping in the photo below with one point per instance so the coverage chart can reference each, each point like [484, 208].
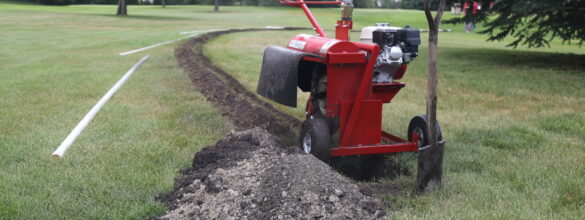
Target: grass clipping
[251, 175]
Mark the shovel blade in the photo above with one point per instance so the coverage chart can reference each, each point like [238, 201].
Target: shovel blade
[430, 167]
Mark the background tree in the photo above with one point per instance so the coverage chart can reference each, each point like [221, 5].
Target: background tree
[364, 3]
[122, 8]
[418, 4]
[531, 22]
[216, 5]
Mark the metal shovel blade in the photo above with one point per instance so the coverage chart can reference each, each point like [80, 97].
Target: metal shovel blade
[430, 167]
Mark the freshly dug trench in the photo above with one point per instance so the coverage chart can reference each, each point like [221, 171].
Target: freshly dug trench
[241, 106]
[251, 175]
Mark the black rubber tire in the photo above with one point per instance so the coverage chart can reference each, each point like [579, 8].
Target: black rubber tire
[320, 138]
[420, 122]
[315, 113]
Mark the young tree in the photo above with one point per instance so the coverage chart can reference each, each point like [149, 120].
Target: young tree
[122, 8]
[534, 23]
[432, 157]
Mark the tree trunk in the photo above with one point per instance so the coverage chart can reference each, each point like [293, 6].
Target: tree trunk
[216, 7]
[122, 8]
[241, 2]
[163, 3]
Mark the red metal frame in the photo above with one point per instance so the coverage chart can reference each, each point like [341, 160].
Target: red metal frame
[358, 106]
[342, 29]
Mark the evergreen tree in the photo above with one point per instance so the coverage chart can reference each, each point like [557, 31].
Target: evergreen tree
[531, 22]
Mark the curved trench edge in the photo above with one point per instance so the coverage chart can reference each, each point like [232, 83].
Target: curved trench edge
[242, 107]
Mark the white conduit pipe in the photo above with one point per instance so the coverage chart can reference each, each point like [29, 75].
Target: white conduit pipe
[85, 121]
[150, 47]
[190, 34]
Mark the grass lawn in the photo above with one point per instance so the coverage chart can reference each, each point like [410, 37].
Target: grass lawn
[514, 118]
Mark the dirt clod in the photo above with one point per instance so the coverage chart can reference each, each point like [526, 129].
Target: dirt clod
[256, 177]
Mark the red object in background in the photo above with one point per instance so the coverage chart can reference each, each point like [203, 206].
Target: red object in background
[351, 95]
[474, 9]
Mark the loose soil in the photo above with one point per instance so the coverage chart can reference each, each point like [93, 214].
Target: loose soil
[250, 174]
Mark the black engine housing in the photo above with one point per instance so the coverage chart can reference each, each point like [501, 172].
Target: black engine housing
[408, 38]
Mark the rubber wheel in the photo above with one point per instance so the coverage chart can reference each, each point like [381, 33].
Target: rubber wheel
[315, 138]
[418, 125]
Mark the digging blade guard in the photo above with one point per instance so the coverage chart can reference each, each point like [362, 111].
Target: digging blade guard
[279, 75]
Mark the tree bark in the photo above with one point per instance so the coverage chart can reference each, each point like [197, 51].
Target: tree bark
[216, 5]
[122, 8]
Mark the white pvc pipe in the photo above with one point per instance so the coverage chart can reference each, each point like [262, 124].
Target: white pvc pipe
[274, 27]
[150, 47]
[85, 121]
[189, 33]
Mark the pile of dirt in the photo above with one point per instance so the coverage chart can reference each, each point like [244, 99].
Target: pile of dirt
[251, 175]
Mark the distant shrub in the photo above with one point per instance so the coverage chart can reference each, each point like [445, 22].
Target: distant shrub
[70, 2]
[418, 4]
[389, 4]
[55, 2]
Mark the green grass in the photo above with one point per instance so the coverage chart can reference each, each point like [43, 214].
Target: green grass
[56, 63]
[514, 119]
